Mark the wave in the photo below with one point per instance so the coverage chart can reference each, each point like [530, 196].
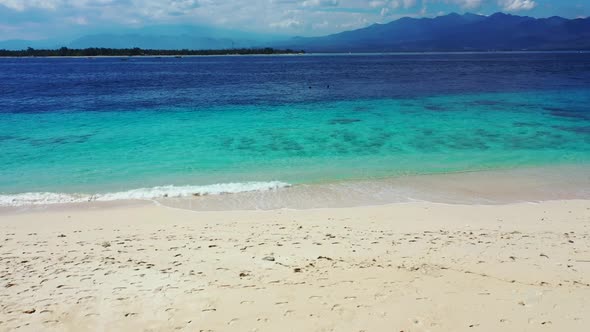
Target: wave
[49, 198]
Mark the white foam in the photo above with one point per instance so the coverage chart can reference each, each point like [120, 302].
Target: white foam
[48, 198]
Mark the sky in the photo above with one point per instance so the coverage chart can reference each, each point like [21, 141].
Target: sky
[46, 19]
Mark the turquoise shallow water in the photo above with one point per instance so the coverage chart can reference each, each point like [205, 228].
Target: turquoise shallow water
[104, 129]
[296, 143]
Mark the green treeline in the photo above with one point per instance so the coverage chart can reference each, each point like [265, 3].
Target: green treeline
[64, 51]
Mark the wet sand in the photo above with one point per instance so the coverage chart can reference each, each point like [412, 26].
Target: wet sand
[520, 185]
[397, 267]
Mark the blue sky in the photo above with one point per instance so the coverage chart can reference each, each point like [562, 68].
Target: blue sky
[43, 19]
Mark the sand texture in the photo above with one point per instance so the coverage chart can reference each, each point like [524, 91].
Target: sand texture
[400, 267]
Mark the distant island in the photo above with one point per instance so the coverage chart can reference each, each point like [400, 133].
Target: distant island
[96, 51]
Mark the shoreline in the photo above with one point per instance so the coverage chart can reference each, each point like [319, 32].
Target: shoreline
[483, 187]
[510, 267]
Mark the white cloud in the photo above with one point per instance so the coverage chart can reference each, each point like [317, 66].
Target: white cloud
[377, 3]
[296, 17]
[409, 3]
[469, 4]
[78, 20]
[21, 5]
[390, 7]
[516, 5]
[289, 23]
[320, 3]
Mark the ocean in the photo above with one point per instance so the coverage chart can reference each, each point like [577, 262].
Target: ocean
[104, 129]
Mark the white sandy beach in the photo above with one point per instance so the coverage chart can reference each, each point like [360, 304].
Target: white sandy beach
[400, 267]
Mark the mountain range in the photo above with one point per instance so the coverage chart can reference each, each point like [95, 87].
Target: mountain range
[453, 32]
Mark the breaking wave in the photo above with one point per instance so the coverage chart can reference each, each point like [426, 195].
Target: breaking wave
[48, 198]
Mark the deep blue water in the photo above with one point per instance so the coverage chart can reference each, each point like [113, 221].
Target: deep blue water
[107, 84]
[78, 125]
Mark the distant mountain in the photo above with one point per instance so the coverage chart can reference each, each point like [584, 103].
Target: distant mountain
[173, 37]
[454, 32]
[151, 42]
[17, 44]
[155, 37]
